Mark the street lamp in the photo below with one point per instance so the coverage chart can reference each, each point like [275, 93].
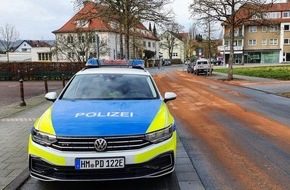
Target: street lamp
[224, 47]
[98, 45]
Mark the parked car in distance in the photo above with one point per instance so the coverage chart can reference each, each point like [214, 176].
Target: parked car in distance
[190, 67]
[202, 66]
[216, 62]
[187, 62]
[166, 62]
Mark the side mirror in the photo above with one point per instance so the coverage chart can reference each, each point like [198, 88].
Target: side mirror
[169, 96]
[51, 96]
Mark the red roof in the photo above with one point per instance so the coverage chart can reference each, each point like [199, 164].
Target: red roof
[182, 36]
[96, 23]
[280, 7]
[37, 43]
[277, 7]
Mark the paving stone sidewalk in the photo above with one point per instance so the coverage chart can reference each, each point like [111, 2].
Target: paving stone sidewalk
[15, 126]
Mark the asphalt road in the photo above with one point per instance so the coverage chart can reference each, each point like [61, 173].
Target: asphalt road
[236, 136]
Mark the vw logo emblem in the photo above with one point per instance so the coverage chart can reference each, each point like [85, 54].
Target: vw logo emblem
[100, 144]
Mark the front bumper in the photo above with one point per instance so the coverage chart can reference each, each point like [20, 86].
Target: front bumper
[156, 167]
[48, 164]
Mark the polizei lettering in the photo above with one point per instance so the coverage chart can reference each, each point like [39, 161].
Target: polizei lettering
[104, 114]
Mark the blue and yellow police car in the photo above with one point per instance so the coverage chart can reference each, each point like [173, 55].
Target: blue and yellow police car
[108, 123]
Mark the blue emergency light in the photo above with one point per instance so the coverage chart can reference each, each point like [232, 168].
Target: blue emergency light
[134, 63]
[137, 63]
[93, 62]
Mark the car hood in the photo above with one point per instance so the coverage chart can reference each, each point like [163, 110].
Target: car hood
[104, 118]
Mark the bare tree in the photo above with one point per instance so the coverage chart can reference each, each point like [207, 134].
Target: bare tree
[8, 36]
[211, 29]
[78, 46]
[129, 13]
[231, 13]
[169, 37]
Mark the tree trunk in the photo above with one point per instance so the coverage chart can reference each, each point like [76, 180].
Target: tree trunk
[127, 42]
[231, 59]
[7, 54]
[121, 46]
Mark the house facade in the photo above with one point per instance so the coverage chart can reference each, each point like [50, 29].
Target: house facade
[256, 42]
[175, 44]
[30, 50]
[85, 34]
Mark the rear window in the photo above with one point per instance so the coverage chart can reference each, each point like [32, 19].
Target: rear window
[110, 86]
[202, 62]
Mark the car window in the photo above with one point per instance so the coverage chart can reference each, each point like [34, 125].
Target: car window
[110, 86]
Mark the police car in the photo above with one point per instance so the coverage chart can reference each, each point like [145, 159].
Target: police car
[108, 123]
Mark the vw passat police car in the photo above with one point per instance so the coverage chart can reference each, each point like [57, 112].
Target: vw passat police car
[107, 124]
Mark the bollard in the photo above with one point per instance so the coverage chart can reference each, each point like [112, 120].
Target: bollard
[45, 84]
[22, 103]
[63, 80]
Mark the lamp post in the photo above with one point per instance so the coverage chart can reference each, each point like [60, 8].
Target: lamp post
[98, 45]
[224, 47]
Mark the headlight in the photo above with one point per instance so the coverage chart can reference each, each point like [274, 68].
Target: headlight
[42, 138]
[161, 135]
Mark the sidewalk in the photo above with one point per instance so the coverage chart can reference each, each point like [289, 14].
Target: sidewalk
[15, 126]
[272, 86]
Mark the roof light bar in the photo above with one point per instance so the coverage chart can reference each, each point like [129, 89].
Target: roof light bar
[134, 63]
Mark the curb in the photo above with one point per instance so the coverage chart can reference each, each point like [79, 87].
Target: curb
[18, 181]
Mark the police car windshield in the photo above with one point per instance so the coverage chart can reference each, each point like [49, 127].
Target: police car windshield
[110, 86]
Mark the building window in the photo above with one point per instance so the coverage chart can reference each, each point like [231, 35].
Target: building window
[92, 39]
[287, 41]
[273, 42]
[82, 23]
[149, 44]
[286, 14]
[71, 55]
[253, 29]
[81, 39]
[273, 28]
[286, 27]
[70, 39]
[227, 43]
[237, 33]
[144, 43]
[153, 44]
[273, 15]
[44, 56]
[175, 54]
[264, 28]
[264, 42]
[252, 42]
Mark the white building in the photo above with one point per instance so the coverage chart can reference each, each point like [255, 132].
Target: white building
[174, 44]
[85, 34]
[29, 50]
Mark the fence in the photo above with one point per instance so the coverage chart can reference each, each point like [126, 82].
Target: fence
[37, 70]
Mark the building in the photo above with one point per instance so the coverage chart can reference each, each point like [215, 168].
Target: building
[85, 34]
[30, 50]
[174, 45]
[261, 42]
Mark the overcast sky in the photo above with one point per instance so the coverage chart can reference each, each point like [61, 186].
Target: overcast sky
[36, 19]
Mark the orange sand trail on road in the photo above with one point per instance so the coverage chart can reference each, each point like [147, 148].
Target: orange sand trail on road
[192, 107]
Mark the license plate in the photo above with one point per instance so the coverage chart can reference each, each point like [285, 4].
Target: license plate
[99, 163]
